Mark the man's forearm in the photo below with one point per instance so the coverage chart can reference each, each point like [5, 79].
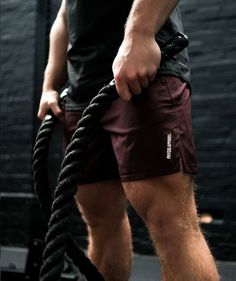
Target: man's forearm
[148, 16]
[56, 74]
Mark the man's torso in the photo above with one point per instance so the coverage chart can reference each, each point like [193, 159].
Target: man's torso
[96, 30]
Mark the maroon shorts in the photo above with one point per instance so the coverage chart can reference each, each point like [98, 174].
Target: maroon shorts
[149, 136]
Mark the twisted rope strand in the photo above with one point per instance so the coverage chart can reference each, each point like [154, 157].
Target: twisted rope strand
[41, 182]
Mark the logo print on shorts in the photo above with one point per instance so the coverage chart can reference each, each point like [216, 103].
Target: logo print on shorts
[168, 148]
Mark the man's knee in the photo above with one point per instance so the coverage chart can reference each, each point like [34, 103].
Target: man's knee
[105, 220]
[168, 228]
[166, 205]
[171, 225]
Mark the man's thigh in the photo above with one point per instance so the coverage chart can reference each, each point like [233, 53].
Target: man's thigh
[163, 199]
[101, 202]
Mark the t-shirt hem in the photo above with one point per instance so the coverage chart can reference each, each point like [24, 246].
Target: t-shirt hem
[80, 106]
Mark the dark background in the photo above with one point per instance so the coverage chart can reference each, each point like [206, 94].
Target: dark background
[211, 27]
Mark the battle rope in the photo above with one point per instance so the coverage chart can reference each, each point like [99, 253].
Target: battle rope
[57, 211]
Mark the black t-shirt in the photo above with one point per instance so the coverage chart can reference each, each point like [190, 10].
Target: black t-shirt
[96, 30]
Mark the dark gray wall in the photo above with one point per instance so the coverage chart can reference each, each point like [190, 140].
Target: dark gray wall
[17, 41]
[211, 27]
[16, 94]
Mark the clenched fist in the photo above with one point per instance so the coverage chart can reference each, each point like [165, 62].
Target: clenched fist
[50, 100]
[135, 65]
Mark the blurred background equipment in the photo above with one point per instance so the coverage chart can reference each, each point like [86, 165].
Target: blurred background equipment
[24, 29]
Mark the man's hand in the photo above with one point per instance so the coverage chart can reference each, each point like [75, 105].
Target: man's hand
[135, 65]
[139, 56]
[50, 100]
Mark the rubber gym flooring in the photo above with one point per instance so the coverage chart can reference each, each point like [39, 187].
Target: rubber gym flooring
[147, 268]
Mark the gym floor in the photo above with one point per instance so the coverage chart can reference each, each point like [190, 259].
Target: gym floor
[147, 268]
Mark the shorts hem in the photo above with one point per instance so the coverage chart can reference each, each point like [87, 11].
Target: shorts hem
[142, 176]
[97, 180]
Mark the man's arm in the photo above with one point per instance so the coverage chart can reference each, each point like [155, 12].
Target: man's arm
[139, 56]
[56, 72]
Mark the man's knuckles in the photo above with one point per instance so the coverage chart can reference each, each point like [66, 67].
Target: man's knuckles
[152, 70]
[52, 102]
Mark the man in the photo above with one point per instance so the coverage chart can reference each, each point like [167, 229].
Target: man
[144, 139]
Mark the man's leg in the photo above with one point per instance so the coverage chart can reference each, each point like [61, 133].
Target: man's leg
[103, 207]
[168, 208]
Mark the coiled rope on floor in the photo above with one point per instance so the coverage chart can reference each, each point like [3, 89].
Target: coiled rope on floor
[57, 210]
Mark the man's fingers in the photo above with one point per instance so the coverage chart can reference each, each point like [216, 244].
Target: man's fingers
[56, 110]
[123, 89]
[50, 101]
[144, 82]
[41, 114]
[43, 110]
[126, 89]
[135, 87]
[152, 75]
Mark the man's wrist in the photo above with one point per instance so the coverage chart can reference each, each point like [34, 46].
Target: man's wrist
[48, 87]
[141, 33]
[49, 83]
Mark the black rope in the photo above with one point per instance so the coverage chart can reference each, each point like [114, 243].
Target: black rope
[57, 211]
[58, 241]
[41, 182]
